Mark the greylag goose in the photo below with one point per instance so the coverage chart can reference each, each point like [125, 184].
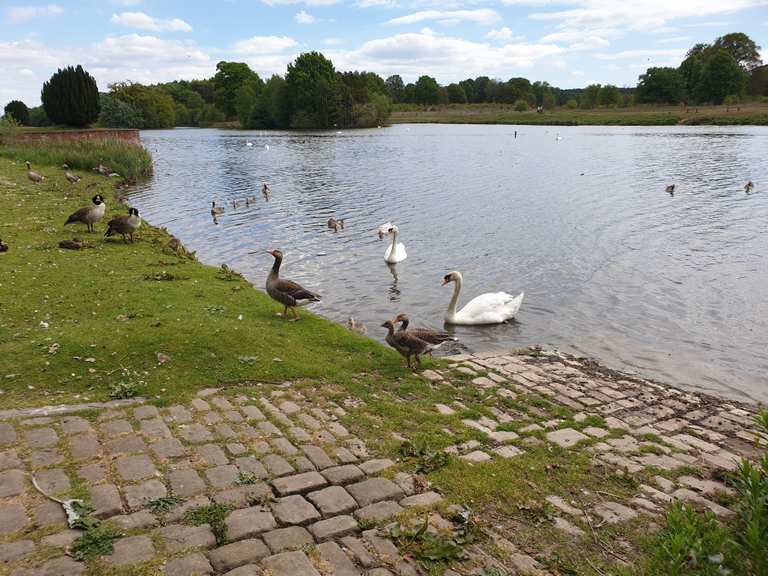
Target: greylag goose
[288, 293]
[32, 175]
[216, 210]
[435, 338]
[3, 247]
[73, 178]
[749, 186]
[407, 344]
[89, 215]
[336, 225]
[74, 244]
[671, 189]
[124, 225]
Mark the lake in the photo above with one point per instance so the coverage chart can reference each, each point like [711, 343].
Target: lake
[612, 266]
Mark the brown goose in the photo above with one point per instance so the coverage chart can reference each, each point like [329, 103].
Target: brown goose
[749, 186]
[89, 215]
[288, 293]
[32, 175]
[336, 225]
[3, 247]
[407, 344]
[671, 189]
[435, 338]
[124, 225]
[73, 178]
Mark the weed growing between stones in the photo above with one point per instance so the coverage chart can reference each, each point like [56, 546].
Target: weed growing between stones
[97, 540]
[214, 515]
[425, 457]
[432, 549]
[164, 504]
[246, 478]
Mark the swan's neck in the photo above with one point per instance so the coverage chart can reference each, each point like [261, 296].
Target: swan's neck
[394, 240]
[455, 298]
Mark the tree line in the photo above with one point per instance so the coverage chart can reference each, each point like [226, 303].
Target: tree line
[313, 94]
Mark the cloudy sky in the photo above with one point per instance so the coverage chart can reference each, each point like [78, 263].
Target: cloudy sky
[569, 43]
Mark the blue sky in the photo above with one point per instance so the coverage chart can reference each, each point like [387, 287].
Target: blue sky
[569, 43]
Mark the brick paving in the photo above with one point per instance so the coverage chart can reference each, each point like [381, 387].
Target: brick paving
[304, 492]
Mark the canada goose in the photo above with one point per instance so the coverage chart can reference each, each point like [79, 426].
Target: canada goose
[101, 169]
[89, 215]
[215, 210]
[265, 189]
[65, 166]
[357, 327]
[288, 293]
[3, 247]
[32, 175]
[250, 200]
[749, 186]
[235, 204]
[125, 224]
[488, 308]
[435, 338]
[407, 344]
[671, 189]
[336, 225]
[73, 178]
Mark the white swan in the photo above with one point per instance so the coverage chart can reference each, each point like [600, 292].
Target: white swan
[396, 250]
[249, 144]
[488, 308]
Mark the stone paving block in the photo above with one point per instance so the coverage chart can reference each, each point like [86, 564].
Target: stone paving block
[249, 522]
[269, 429]
[75, 425]
[145, 412]
[294, 510]
[566, 438]
[222, 476]
[63, 539]
[332, 501]
[335, 557]
[236, 448]
[131, 550]
[48, 513]
[722, 459]
[475, 456]
[595, 432]
[375, 466]
[379, 511]
[374, 490]
[383, 547]
[507, 451]
[186, 483]
[697, 443]
[290, 564]
[7, 434]
[84, 447]
[299, 484]
[155, 429]
[168, 448]
[613, 512]
[232, 416]
[425, 499]
[127, 445]
[41, 437]
[178, 537]
[359, 551]
[105, 500]
[136, 521]
[53, 482]
[114, 428]
[335, 527]
[61, 566]
[132, 468]
[250, 465]
[138, 495]
[238, 554]
[225, 431]
[13, 517]
[343, 474]
[179, 414]
[502, 436]
[277, 465]
[212, 455]
[195, 433]
[222, 403]
[243, 496]
[178, 513]
[299, 434]
[303, 464]
[12, 483]
[92, 473]
[344, 456]
[292, 538]
[252, 412]
[200, 405]
[10, 459]
[284, 446]
[406, 482]
[191, 565]
[567, 527]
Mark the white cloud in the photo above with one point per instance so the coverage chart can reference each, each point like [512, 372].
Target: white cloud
[503, 34]
[483, 16]
[264, 45]
[333, 41]
[144, 21]
[307, 2]
[370, 3]
[304, 17]
[21, 14]
[674, 40]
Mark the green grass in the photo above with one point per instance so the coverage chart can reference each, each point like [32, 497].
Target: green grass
[213, 515]
[751, 113]
[132, 162]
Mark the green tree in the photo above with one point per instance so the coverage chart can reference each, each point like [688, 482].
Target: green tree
[395, 88]
[722, 76]
[690, 71]
[549, 101]
[245, 98]
[456, 94]
[38, 117]
[427, 91]
[270, 109]
[468, 86]
[19, 111]
[609, 96]
[116, 113]
[590, 96]
[742, 48]
[572, 104]
[310, 87]
[229, 77]
[521, 105]
[155, 106]
[661, 85]
[71, 97]
[409, 94]
[481, 89]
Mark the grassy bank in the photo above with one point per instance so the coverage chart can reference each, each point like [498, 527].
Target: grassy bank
[748, 114]
[132, 162]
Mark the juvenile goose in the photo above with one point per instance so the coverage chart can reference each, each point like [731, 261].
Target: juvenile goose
[235, 204]
[749, 186]
[3, 247]
[356, 326]
[336, 225]
[266, 190]
[215, 210]
[89, 215]
[73, 178]
[288, 293]
[32, 175]
[124, 225]
[435, 338]
[671, 189]
[407, 344]
[250, 200]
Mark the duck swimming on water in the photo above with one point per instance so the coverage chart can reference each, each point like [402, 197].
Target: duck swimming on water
[288, 293]
[216, 210]
[749, 186]
[336, 225]
[671, 189]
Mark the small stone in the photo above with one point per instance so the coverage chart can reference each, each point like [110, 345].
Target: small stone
[332, 501]
[294, 510]
[13, 551]
[290, 564]
[373, 490]
[375, 466]
[566, 438]
[249, 522]
[335, 527]
[178, 537]
[132, 468]
[595, 432]
[507, 451]
[131, 550]
[502, 437]
[105, 500]
[475, 456]
[379, 511]
[291, 538]
[238, 554]
[299, 484]
[425, 499]
[186, 483]
[613, 512]
[343, 474]
[565, 526]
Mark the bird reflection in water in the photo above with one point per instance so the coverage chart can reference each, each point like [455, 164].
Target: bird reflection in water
[394, 291]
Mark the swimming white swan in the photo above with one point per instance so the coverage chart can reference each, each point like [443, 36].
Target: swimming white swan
[249, 144]
[488, 308]
[396, 250]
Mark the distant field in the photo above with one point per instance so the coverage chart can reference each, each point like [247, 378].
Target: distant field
[752, 113]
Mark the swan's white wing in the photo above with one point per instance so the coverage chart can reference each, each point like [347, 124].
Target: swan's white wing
[490, 308]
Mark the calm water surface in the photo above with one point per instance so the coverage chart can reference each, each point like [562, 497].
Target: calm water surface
[611, 265]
